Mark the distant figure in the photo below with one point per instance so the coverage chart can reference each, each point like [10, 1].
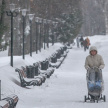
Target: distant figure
[85, 44]
[81, 41]
[77, 40]
[88, 42]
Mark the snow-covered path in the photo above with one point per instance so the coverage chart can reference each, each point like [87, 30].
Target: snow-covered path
[67, 87]
[64, 89]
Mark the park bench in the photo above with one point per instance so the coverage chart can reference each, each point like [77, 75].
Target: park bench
[9, 102]
[68, 46]
[59, 57]
[36, 74]
[45, 69]
[40, 72]
[53, 61]
[27, 81]
[15, 99]
[48, 67]
[4, 104]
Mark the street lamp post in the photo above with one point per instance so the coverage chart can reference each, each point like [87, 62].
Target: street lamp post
[44, 21]
[48, 25]
[40, 37]
[37, 33]
[47, 33]
[12, 14]
[53, 33]
[24, 14]
[31, 16]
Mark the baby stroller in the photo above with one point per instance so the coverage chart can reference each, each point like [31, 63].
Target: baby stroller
[95, 85]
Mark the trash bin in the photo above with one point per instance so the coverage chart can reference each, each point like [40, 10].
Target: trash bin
[54, 59]
[43, 65]
[30, 71]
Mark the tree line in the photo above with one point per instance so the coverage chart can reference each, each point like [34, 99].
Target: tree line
[66, 12]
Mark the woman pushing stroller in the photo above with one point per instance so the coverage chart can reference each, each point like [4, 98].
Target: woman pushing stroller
[94, 59]
[94, 64]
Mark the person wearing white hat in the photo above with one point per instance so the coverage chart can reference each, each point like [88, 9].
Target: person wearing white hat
[94, 59]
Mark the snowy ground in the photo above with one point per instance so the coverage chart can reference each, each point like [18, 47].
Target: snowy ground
[65, 88]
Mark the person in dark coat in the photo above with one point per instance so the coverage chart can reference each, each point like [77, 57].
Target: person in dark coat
[81, 41]
[85, 44]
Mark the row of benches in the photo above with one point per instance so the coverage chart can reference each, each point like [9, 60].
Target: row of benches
[37, 73]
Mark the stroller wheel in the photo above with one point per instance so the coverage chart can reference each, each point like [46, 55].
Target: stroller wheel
[85, 98]
[104, 98]
[101, 96]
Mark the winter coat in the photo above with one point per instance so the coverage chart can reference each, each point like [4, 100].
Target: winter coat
[85, 43]
[81, 39]
[88, 41]
[94, 61]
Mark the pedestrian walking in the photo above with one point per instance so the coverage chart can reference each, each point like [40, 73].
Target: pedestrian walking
[88, 42]
[94, 64]
[81, 41]
[85, 44]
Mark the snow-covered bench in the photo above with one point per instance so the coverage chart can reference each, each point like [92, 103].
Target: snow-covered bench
[28, 81]
[4, 104]
[36, 73]
[60, 55]
[69, 47]
[9, 102]
[48, 71]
